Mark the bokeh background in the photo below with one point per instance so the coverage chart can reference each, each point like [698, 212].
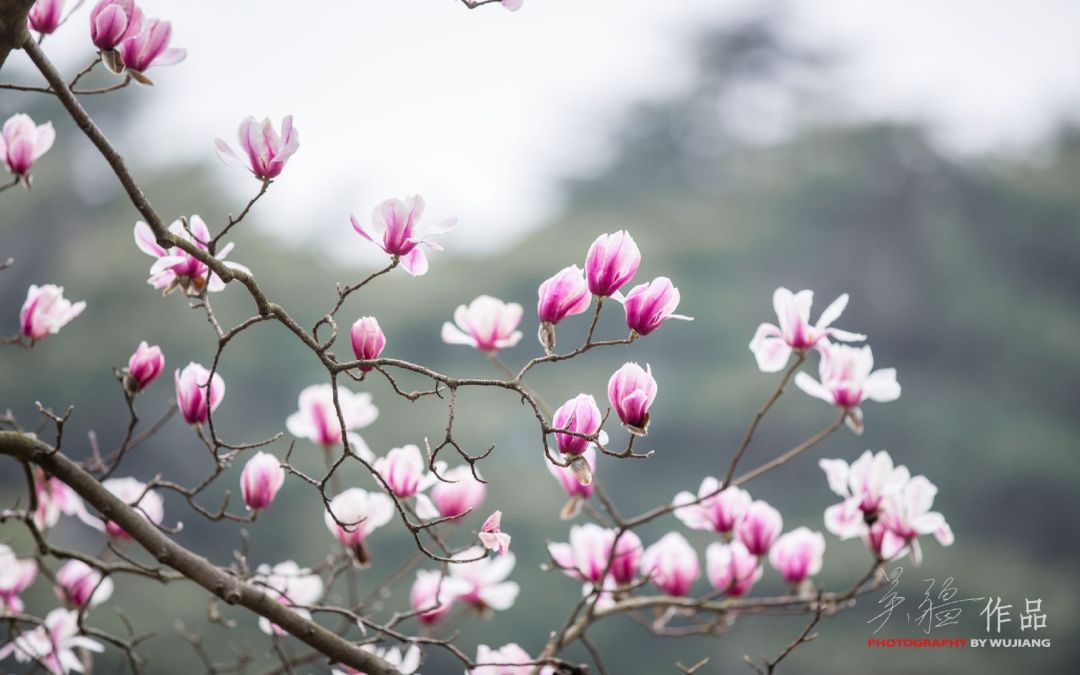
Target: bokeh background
[922, 158]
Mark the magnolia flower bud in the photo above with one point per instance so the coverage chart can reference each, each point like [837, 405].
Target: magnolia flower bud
[112, 22]
[797, 555]
[45, 15]
[143, 367]
[613, 259]
[368, 340]
[150, 47]
[649, 305]
[631, 391]
[671, 564]
[759, 527]
[579, 415]
[260, 480]
[197, 394]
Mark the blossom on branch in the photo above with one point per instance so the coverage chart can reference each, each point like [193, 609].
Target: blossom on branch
[45, 311]
[732, 569]
[487, 323]
[759, 527]
[649, 305]
[406, 662]
[368, 340]
[176, 268]
[631, 391]
[907, 514]
[772, 345]
[145, 364]
[266, 152]
[717, 510]
[317, 419]
[289, 584]
[568, 479]
[53, 644]
[353, 515]
[612, 261]
[45, 15]
[863, 485]
[260, 480]
[197, 394]
[112, 22]
[484, 580]
[564, 294]
[54, 498]
[80, 585]
[149, 48]
[22, 143]
[847, 378]
[433, 594]
[458, 492]
[393, 228]
[147, 503]
[16, 575]
[580, 415]
[492, 536]
[510, 659]
[671, 564]
[798, 554]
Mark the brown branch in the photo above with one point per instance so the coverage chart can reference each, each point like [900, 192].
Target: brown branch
[13, 25]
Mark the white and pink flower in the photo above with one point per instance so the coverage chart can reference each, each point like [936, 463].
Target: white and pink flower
[45, 16]
[492, 536]
[863, 485]
[712, 509]
[175, 268]
[907, 514]
[16, 575]
[732, 568]
[433, 595]
[368, 340]
[510, 659]
[573, 487]
[53, 645]
[54, 498]
[459, 493]
[798, 555]
[631, 392]
[265, 151]
[353, 515]
[80, 585]
[759, 527]
[113, 21]
[149, 48]
[847, 378]
[772, 345]
[289, 584]
[260, 480]
[46, 311]
[317, 419]
[22, 143]
[487, 324]
[612, 261]
[483, 582]
[394, 229]
[671, 564]
[581, 416]
[198, 394]
[144, 366]
[146, 502]
[649, 305]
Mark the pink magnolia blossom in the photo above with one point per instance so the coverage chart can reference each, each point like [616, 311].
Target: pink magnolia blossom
[46, 311]
[54, 498]
[907, 514]
[671, 564]
[148, 503]
[197, 394]
[175, 268]
[510, 659]
[512, 5]
[627, 559]
[394, 229]
[731, 568]
[260, 480]
[405, 471]
[317, 419]
[718, 511]
[289, 584]
[613, 259]
[580, 415]
[631, 391]
[649, 305]
[863, 485]
[266, 152]
[45, 15]
[80, 585]
[772, 345]
[586, 555]
[143, 367]
[847, 379]
[484, 584]
[459, 493]
[759, 527]
[16, 575]
[492, 536]
[432, 595]
[577, 492]
[368, 340]
[883, 542]
[113, 21]
[798, 554]
[406, 662]
[22, 143]
[564, 294]
[53, 644]
[487, 323]
[354, 514]
[149, 48]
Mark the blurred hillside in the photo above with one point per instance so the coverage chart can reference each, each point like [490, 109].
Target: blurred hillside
[963, 273]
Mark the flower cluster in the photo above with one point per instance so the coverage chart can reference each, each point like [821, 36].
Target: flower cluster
[130, 42]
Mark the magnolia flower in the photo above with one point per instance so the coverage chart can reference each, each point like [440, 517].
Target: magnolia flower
[266, 152]
[798, 554]
[567, 478]
[112, 22]
[198, 394]
[484, 584]
[405, 471]
[143, 367]
[368, 340]
[406, 663]
[586, 555]
[580, 415]
[631, 391]
[54, 498]
[772, 345]
[53, 644]
[176, 268]
[863, 486]
[759, 527]
[317, 419]
[15, 577]
[649, 305]
[613, 259]
[22, 142]
[510, 659]
[356, 513]
[717, 510]
[883, 542]
[459, 493]
[847, 379]
[148, 503]
[46, 311]
[671, 564]
[487, 323]
[731, 568]
[393, 228]
[289, 584]
[564, 294]
[512, 5]
[80, 585]
[260, 480]
[433, 595]
[150, 47]
[45, 15]
[907, 514]
[627, 558]
[492, 536]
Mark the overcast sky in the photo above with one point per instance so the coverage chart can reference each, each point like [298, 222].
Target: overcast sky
[482, 112]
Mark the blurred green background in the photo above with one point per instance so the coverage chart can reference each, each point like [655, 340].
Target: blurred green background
[963, 273]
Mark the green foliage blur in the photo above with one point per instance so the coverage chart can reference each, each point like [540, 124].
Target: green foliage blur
[964, 274]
